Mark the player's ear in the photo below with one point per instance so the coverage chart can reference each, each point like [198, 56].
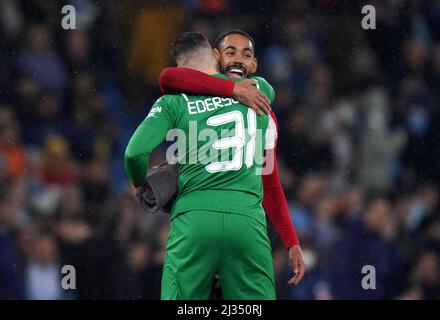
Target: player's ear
[216, 54]
[254, 66]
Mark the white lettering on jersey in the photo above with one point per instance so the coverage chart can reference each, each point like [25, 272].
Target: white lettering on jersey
[208, 104]
[154, 110]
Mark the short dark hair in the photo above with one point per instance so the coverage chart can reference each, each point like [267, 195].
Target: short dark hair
[223, 35]
[188, 42]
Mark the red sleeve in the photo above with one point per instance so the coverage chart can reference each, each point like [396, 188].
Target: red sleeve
[275, 204]
[193, 81]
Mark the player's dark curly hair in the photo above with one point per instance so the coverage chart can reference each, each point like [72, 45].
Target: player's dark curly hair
[188, 42]
[224, 34]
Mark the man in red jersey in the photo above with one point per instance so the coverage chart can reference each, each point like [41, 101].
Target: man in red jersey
[235, 51]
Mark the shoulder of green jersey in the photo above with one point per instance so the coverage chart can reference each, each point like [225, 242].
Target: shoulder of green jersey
[154, 111]
[260, 80]
[185, 97]
[157, 107]
[266, 86]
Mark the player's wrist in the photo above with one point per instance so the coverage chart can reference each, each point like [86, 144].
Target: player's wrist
[293, 246]
[236, 89]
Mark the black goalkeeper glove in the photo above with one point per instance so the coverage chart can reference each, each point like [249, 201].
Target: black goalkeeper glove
[157, 192]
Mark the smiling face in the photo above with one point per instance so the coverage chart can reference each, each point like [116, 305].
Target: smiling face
[236, 56]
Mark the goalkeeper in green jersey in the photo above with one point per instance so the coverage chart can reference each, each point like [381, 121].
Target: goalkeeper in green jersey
[217, 222]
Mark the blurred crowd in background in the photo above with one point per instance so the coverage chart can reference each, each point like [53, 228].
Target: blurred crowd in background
[359, 130]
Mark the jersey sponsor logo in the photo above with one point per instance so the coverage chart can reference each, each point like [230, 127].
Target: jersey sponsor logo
[209, 104]
[153, 112]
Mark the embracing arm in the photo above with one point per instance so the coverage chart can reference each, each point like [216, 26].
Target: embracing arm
[137, 154]
[191, 81]
[150, 133]
[187, 80]
[275, 203]
[275, 206]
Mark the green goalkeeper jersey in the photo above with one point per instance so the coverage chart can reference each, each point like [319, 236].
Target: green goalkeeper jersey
[219, 144]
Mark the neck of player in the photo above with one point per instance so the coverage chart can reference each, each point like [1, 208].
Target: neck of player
[206, 65]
